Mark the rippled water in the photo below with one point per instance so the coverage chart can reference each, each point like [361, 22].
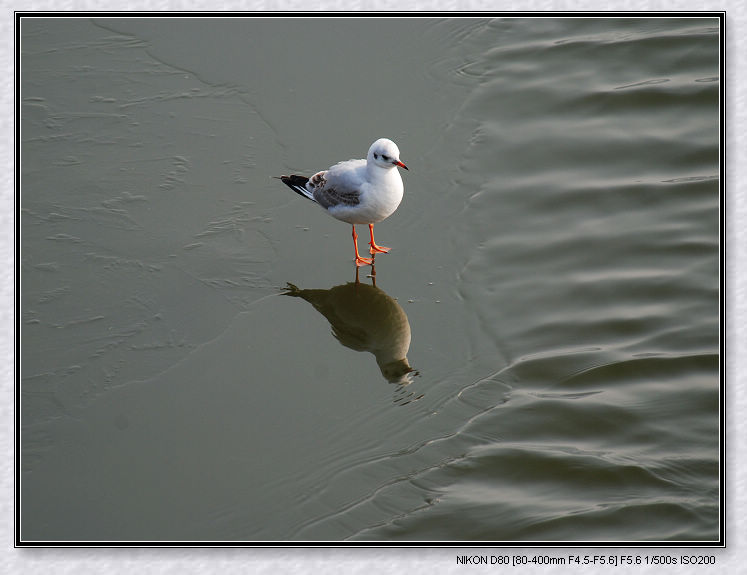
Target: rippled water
[537, 359]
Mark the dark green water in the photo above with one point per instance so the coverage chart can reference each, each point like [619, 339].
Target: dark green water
[554, 281]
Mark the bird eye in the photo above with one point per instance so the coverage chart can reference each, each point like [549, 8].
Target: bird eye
[385, 158]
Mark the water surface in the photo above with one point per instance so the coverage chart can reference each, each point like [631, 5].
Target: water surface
[537, 359]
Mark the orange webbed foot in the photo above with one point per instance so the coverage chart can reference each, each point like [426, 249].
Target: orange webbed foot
[374, 248]
[378, 249]
[359, 261]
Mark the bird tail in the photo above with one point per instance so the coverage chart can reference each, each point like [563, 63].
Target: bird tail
[298, 185]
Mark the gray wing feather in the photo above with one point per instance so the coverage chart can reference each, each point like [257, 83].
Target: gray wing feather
[330, 197]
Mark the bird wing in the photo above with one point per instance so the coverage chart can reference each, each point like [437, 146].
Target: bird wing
[299, 185]
[329, 195]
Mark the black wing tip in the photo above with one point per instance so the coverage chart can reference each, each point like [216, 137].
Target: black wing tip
[294, 180]
[297, 184]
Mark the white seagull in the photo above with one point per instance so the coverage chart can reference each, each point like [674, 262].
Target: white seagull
[357, 191]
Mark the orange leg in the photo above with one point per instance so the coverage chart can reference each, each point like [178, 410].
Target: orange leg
[359, 261]
[374, 248]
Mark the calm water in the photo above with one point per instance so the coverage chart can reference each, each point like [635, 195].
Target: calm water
[199, 363]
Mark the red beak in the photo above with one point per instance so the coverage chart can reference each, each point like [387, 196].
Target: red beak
[401, 165]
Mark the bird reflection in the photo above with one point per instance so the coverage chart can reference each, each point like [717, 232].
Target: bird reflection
[364, 318]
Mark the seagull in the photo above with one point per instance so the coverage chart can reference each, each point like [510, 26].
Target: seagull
[357, 191]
